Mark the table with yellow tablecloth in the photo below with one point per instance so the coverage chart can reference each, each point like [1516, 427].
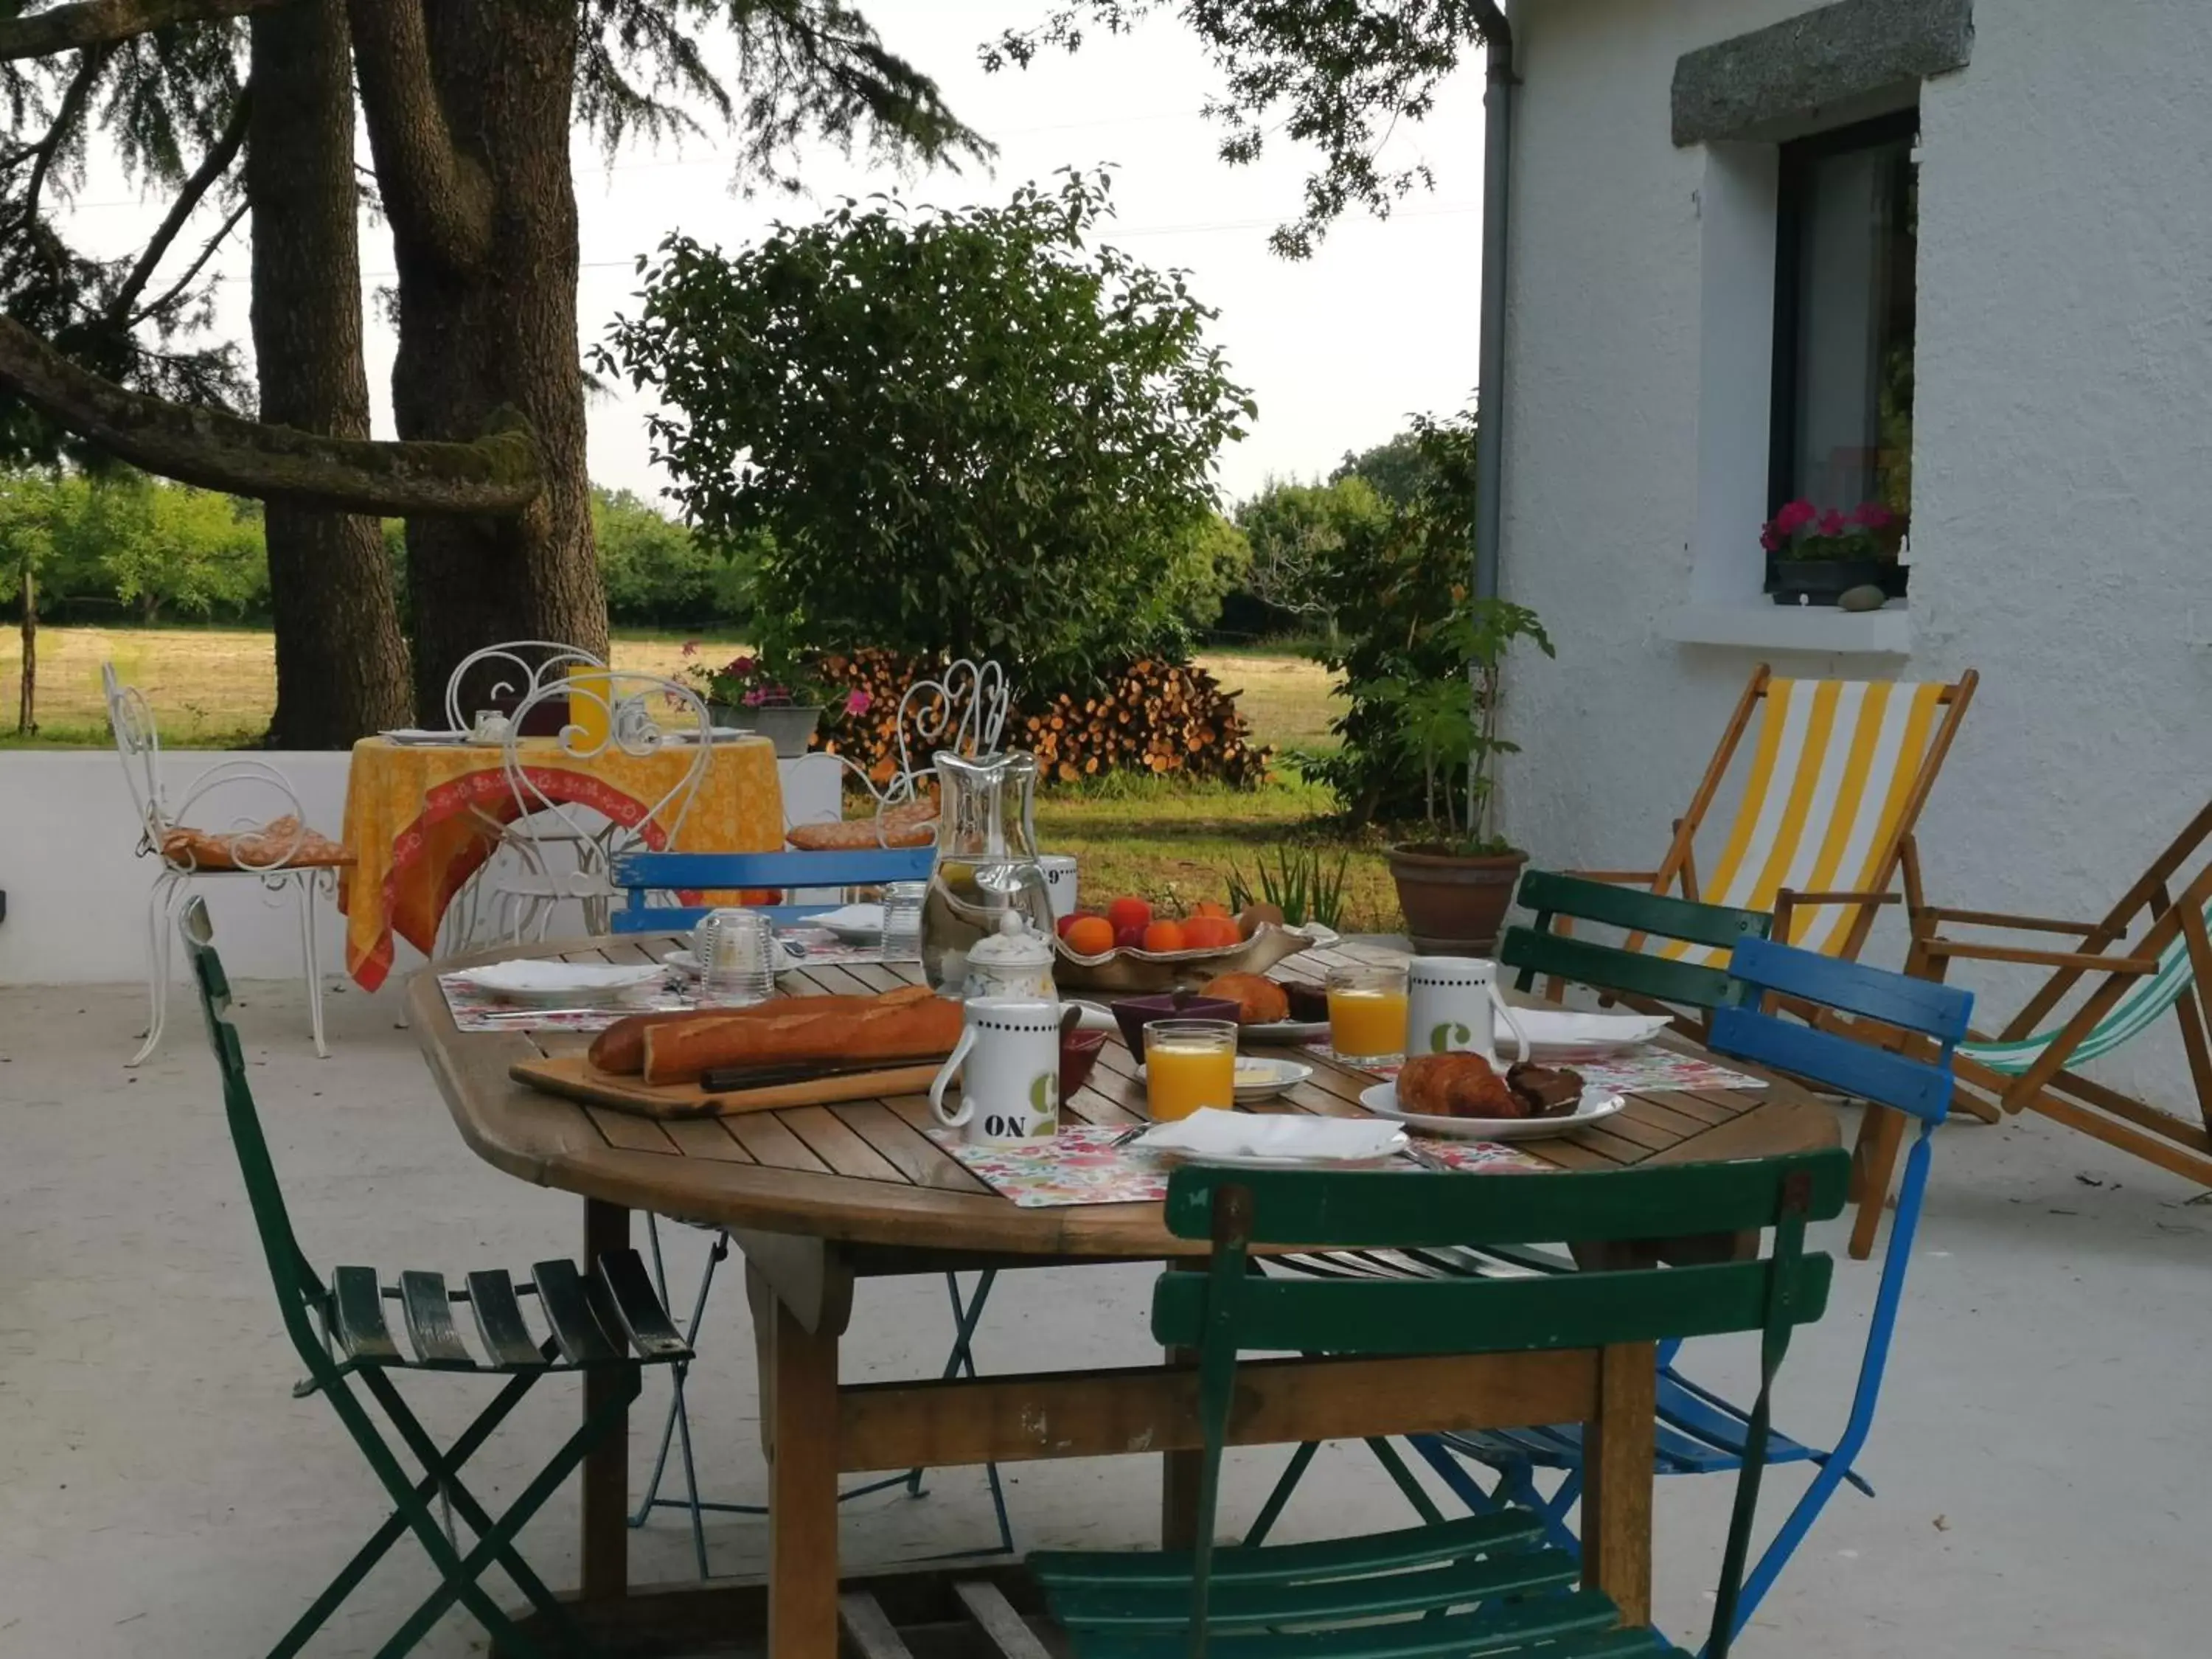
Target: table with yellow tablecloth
[422, 820]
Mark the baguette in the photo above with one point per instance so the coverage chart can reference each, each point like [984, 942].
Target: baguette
[912, 1029]
[621, 1047]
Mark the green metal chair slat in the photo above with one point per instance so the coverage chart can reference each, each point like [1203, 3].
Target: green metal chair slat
[349, 1316]
[1636, 911]
[358, 1323]
[628, 1292]
[1328, 1557]
[500, 1325]
[1609, 968]
[1558, 1622]
[568, 1310]
[1369, 1595]
[429, 1312]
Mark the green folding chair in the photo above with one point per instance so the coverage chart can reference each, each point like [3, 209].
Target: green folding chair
[1485, 1584]
[606, 1320]
[1652, 980]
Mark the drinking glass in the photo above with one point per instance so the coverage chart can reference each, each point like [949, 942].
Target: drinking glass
[737, 952]
[591, 716]
[1190, 1063]
[1367, 1011]
[903, 919]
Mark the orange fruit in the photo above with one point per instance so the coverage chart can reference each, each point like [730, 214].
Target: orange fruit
[1208, 908]
[1210, 932]
[1165, 936]
[1090, 936]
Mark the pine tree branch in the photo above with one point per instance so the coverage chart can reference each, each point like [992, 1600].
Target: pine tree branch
[90, 65]
[212, 167]
[435, 197]
[222, 234]
[501, 472]
[104, 22]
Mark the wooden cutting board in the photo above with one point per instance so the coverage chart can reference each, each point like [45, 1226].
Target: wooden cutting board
[575, 1078]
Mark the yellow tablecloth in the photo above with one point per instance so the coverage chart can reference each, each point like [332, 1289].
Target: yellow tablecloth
[417, 816]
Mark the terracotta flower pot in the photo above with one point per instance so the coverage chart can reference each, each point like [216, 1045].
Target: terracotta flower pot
[1453, 906]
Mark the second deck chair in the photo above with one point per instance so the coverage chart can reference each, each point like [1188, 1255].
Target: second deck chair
[2032, 1063]
[1839, 771]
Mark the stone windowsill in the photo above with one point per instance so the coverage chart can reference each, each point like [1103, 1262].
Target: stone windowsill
[1767, 626]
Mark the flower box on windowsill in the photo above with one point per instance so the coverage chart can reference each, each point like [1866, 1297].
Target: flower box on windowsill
[1823, 581]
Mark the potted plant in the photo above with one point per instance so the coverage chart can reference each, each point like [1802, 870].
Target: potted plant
[1456, 880]
[1815, 557]
[779, 699]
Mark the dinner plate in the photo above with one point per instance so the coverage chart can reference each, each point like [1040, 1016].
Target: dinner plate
[1596, 1106]
[1259, 1079]
[1562, 1034]
[554, 984]
[1278, 1032]
[416, 737]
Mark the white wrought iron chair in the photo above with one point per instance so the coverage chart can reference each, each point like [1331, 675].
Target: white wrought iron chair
[503, 679]
[963, 710]
[575, 830]
[275, 847]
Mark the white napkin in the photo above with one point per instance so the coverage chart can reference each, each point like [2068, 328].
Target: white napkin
[1212, 1133]
[1566, 1027]
[853, 918]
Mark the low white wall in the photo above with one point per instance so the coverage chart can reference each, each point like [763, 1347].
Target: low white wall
[78, 893]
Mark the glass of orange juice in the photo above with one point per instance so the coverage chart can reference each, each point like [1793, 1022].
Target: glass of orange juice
[1367, 1011]
[590, 693]
[1190, 1063]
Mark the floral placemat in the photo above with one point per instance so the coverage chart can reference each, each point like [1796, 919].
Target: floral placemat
[1636, 1071]
[1082, 1164]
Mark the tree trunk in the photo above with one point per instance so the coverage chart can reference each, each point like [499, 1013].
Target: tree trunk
[341, 663]
[488, 316]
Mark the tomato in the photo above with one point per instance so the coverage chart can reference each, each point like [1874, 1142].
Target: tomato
[1209, 932]
[1164, 935]
[1208, 908]
[1129, 913]
[1130, 938]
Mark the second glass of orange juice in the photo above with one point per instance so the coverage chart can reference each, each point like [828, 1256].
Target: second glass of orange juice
[1190, 1063]
[1367, 1011]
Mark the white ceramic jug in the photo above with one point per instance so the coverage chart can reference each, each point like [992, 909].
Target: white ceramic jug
[1008, 1063]
[1452, 1004]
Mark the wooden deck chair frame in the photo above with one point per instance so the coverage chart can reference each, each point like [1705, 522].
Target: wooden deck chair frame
[2051, 1086]
[1899, 857]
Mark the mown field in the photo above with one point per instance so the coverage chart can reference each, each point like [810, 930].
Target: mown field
[214, 689]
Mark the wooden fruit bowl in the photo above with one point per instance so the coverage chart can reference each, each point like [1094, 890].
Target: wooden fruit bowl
[1126, 969]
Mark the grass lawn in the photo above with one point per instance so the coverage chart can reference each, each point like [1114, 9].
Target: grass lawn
[213, 688]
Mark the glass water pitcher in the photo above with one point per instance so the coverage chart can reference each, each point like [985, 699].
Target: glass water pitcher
[987, 862]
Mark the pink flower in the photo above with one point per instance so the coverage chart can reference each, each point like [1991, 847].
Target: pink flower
[1771, 539]
[859, 702]
[690, 647]
[1831, 523]
[755, 698]
[1873, 515]
[1794, 516]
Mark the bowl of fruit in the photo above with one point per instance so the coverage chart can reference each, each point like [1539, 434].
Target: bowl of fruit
[1131, 946]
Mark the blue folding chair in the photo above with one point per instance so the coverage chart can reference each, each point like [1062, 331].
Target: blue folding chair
[645, 877]
[1700, 1433]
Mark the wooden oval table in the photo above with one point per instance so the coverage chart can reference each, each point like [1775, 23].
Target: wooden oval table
[817, 1196]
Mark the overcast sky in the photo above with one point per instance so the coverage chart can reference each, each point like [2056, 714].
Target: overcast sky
[1337, 350]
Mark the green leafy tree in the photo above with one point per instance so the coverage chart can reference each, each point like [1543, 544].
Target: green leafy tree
[1396, 471]
[967, 432]
[1296, 532]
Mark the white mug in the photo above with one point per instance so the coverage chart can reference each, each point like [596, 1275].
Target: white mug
[1008, 1061]
[1449, 1005]
[1058, 883]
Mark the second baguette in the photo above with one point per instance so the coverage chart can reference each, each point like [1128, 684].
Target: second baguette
[908, 1028]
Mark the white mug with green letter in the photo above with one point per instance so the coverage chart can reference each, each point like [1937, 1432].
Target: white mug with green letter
[1452, 1004]
[1008, 1063]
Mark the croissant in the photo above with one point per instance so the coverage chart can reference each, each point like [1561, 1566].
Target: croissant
[1455, 1085]
[1260, 1001]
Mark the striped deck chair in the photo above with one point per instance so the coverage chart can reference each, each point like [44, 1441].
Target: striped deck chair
[1839, 770]
[2030, 1064]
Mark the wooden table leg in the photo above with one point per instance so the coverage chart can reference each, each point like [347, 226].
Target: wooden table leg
[800, 1412]
[1618, 1477]
[606, 1466]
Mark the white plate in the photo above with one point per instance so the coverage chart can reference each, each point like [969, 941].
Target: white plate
[1561, 1034]
[1596, 1106]
[685, 962]
[854, 924]
[717, 735]
[1270, 1140]
[417, 736]
[1259, 1079]
[1277, 1032]
[552, 984]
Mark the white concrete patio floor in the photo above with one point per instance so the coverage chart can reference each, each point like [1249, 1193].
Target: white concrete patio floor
[2043, 1457]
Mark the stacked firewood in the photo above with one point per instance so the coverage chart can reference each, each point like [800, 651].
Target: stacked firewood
[1151, 716]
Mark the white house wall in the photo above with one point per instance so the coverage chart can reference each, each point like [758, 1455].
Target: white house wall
[2062, 430]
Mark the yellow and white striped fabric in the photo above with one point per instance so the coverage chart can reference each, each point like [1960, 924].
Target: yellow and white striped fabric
[1832, 768]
